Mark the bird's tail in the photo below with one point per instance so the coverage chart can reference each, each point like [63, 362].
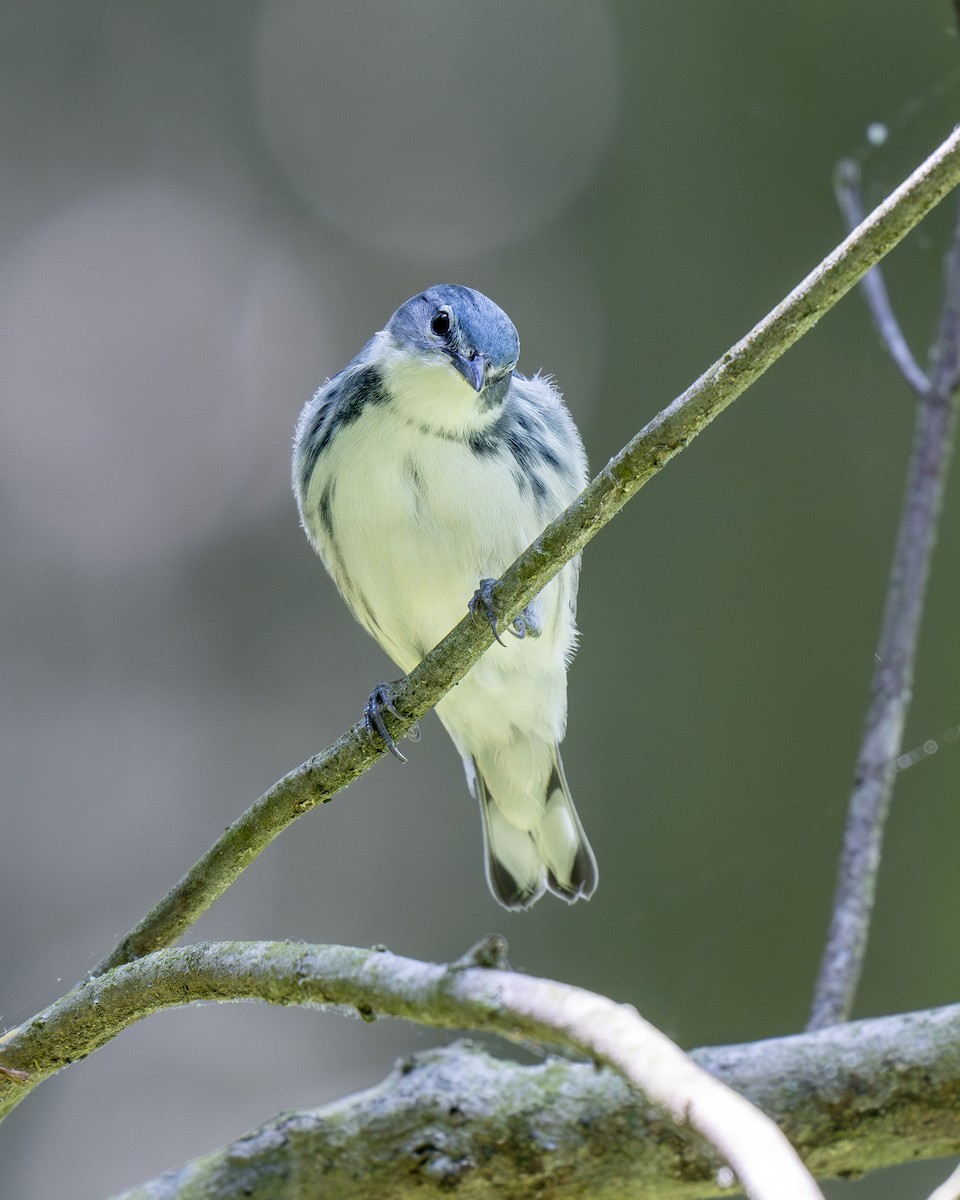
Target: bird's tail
[533, 848]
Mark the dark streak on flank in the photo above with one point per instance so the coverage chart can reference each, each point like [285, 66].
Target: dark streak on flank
[413, 476]
[346, 396]
[523, 450]
[539, 489]
[366, 387]
[485, 444]
[313, 441]
[325, 512]
[331, 556]
[412, 473]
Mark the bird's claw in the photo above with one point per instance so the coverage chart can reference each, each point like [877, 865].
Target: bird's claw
[382, 698]
[483, 598]
[524, 623]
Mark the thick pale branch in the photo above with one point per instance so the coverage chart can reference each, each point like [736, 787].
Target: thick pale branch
[318, 779]
[854, 1099]
[464, 995]
[851, 1098]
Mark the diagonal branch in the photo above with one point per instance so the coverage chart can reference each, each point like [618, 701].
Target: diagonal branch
[892, 685]
[318, 779]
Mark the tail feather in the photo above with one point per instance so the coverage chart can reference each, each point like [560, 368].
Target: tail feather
[553, 854]
[559, 830]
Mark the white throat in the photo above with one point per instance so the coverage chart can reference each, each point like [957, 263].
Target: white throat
[432, 395]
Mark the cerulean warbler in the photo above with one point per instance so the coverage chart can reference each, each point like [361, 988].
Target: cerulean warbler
[428, 464]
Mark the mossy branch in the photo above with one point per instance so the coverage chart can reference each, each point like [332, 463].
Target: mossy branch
[853, 1099]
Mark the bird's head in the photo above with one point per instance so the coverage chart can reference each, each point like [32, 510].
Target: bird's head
[459, 329]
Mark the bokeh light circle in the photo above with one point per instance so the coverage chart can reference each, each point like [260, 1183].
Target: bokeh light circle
[154, 351]
[427, 127]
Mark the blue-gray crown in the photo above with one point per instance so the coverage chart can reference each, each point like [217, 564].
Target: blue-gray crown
[462, 325]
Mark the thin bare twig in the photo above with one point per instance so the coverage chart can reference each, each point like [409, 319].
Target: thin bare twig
[891, 690]
[846, 184]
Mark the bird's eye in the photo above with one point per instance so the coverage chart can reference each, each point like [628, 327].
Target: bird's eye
[440, 325]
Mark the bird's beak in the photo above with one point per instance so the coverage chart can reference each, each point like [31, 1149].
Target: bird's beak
[473, 368]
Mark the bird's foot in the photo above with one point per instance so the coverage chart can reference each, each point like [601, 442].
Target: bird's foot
[381, 699]
[527, 622]
[524, 623]
[483, 599]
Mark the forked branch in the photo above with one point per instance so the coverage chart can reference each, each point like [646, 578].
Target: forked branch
[892, 686]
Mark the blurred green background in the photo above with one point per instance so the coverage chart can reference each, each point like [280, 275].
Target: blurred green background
[207, 209]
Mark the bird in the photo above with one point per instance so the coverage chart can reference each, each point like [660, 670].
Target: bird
[421, 471]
